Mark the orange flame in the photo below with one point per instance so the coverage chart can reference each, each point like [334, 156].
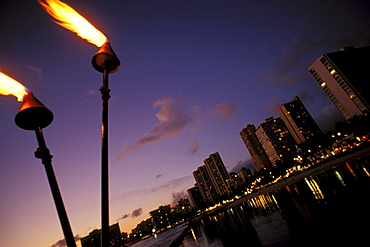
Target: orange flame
[9, 86]
[70, 19]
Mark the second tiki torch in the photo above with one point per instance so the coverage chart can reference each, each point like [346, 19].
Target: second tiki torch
[106, 62]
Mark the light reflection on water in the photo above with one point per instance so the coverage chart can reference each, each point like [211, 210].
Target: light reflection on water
[327, 209]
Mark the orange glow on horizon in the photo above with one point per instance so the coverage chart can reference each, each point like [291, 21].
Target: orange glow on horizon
[9, 86]
[70, 19]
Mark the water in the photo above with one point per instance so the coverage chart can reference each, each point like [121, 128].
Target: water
[163, 239]
[330, 208]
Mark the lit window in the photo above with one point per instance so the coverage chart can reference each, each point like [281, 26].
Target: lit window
[332, 72]
[323, 84]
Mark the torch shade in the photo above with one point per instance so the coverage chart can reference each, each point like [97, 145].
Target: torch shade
[32, 114]
[106, 59]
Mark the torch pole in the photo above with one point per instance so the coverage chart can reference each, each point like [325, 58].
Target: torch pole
[104, 90]
[43, 153]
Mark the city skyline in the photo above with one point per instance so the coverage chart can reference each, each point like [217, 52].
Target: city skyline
[192, 75]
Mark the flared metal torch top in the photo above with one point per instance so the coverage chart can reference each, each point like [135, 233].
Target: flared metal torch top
[106, 59]
[32, 114]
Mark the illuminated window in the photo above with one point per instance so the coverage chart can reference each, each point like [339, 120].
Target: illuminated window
[323, 84]
[332, 72]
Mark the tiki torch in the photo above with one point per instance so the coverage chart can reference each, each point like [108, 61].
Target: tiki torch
[33, 115]
[104, 61]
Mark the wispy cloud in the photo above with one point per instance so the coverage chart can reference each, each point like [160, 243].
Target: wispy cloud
[122, 217]
[135, 213]
[144, 193]
[35, 71]
[226, 111]
[173, 120]
[193, 147]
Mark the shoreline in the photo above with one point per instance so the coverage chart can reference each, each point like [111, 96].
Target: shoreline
[293, 179]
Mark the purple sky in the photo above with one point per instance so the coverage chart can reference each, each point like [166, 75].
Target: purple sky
[193, 74]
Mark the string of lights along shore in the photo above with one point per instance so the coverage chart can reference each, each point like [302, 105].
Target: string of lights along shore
[211, 103]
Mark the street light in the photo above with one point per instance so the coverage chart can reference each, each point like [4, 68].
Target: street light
[33, 115]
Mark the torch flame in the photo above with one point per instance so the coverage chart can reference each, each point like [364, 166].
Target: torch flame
[9, 86]
[70, 19]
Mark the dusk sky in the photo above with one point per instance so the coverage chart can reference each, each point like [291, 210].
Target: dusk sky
[193, 74]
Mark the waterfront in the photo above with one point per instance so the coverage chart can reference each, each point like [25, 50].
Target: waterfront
[327, 205]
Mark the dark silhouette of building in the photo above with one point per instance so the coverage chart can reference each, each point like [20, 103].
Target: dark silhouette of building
[196, 198]
[94, 237]
[343, 75]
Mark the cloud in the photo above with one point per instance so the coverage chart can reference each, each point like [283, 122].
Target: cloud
[291, 67]
[137, 213]
[158, 176]
[274, 104]
[173, 120]
[226, 111]
[240, 164]
[180, 183]
[124, 216]
[193, 147]
[177, 196]
[163, 101]
[62, 242]
[328, 117]
[36, 71]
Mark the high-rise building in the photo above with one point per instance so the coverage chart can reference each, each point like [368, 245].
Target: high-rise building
[161, 217]
[204, 185]
[258, 154]
[299, 121]
[196, 197]
[343, 75]
[218, 173]
[211, 179]
[276, 140]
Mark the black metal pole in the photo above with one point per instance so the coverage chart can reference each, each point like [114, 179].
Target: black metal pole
[104, 90]
[43, 153]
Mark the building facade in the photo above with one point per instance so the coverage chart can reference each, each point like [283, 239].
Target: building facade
[299, 121]
[276, 140]
[218, 174]
[343, 75]
[196, 198]
[211, 179]
[258, 154]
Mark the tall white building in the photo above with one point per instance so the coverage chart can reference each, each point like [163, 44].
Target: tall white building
[344, 77]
